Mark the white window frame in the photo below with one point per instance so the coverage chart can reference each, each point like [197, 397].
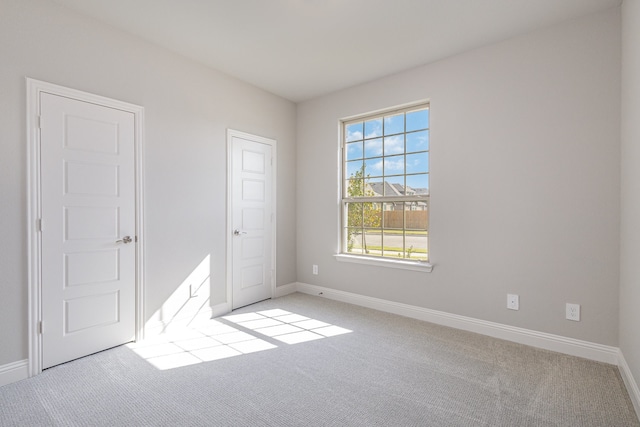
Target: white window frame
[343, 255]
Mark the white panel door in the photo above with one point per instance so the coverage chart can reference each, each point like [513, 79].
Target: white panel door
[88, 228]
[252, 239]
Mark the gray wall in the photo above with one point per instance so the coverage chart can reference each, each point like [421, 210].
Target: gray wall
[188, 108]
[630, 225]
[525, 187]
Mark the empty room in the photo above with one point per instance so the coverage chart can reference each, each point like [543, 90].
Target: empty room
[320, 212]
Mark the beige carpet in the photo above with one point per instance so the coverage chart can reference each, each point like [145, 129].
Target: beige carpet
[307, 361]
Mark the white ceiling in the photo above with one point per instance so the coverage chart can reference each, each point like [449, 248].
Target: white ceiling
[300, 49]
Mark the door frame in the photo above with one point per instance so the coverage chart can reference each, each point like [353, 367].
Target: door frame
[34, 209]
[231, 133]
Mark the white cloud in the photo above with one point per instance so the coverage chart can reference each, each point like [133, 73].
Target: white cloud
[394, 166]
[373, 128]
[373, 148]
[354, 136]
[377, 166]
[394, 145]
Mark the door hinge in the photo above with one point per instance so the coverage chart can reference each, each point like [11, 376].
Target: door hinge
[39, 122]
[40, 327]
[39, 224]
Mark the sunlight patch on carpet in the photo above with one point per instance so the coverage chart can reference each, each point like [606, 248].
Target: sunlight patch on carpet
[215, 339]
[287, 327]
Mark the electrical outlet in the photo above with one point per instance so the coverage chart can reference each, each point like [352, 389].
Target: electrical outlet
[573, 312]
[513, 302]
[315, 269]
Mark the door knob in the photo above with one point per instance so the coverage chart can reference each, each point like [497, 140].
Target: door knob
[237, 232]
[125, 239]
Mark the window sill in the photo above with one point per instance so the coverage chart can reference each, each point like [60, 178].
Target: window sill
[403, 265]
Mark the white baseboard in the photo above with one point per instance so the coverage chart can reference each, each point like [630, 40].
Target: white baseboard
[630, 382]
[285, 290]
[13, 372]
[220, 309]
[560, 344]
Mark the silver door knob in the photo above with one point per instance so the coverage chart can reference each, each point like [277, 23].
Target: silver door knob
[237, 232]
[125, 239]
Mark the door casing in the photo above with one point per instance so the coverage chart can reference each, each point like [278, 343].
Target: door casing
[229, 267]
[34, 89]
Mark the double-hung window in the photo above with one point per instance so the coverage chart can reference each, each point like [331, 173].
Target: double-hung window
[385, 188]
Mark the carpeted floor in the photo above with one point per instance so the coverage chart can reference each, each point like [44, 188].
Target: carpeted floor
[308, 361]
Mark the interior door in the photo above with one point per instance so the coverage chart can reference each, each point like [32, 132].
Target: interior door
[252, 226]
[88, 228]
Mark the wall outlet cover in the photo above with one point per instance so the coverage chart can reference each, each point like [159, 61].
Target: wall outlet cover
[573, 312]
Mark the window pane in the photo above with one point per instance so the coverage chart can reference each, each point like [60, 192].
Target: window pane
[416, 245]
[417, 120]
[416, 218]
[394, 185]
[394, 124]
[372, 242]
[419, 183]
[393, 216]
[375, 188]
[354, 215]
[393, 243]
[372, 214]
[373, 167]
[355, 187]
[354, 169]
[353, 132]
[354, 150]
[373, 128]
[393, 165]
[418, 162]
[394, 145]
[369, 190]
[418, 141]
[354, 240]
[373, 148]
